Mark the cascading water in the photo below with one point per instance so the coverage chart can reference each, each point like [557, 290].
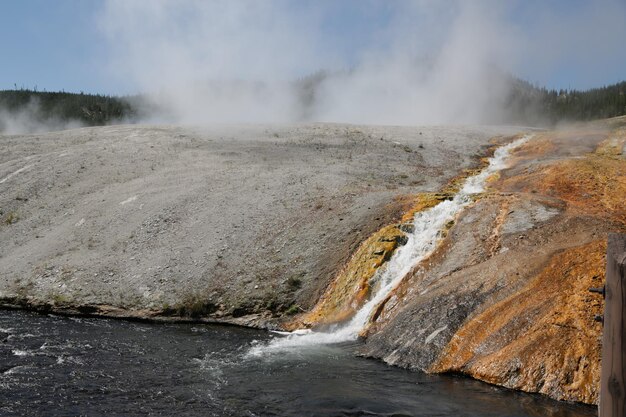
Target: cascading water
[428, 227]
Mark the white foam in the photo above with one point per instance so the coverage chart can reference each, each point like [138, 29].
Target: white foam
[428, 227]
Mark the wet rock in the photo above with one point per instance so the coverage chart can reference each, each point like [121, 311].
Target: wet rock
[241, 311]
[402, 240]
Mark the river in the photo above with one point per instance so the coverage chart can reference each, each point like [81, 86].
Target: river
[69, 366]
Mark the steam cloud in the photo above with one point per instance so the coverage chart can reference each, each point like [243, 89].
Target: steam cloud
[427, 62]
[31, 119]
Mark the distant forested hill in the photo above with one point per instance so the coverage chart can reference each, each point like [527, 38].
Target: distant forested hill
[84, 109]
[528, 104]
[520, 102]
[24, 110]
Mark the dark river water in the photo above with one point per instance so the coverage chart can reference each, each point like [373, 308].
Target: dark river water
[62, 366]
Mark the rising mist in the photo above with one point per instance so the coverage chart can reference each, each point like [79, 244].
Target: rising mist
[429, 62]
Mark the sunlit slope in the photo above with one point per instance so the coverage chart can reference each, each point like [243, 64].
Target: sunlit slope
[239, 223]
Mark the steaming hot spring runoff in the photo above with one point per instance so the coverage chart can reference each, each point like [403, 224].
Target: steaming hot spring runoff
[313, 208]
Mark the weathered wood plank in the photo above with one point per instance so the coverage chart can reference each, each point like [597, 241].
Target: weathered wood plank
[612, 380]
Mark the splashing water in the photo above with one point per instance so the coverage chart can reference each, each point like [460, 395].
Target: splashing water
[428, 227]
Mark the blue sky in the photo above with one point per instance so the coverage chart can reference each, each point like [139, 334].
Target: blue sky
[51, 45]
[62, 45]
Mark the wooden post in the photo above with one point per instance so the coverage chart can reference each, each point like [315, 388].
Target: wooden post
[613, 374]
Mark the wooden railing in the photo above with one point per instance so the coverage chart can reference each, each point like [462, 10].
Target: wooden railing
[612, 386]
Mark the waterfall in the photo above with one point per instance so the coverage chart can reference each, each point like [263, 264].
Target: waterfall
[428, 232]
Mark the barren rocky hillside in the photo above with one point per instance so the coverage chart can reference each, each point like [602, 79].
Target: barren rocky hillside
[244, 223]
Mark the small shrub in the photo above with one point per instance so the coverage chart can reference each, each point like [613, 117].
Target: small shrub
[294, 281]
[192, 306]
[11, 218]
[293, 310]
[273, 305]
[60, 299]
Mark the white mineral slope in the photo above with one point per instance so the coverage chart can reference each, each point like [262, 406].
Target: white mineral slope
[248, 221]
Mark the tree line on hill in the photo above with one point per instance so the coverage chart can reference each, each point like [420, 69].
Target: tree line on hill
[61, 108]
[529, 104]
[24, 110]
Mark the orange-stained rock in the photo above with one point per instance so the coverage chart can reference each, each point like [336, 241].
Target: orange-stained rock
[352, 285]
[542, 338]
[592, 185]
[505, 296]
